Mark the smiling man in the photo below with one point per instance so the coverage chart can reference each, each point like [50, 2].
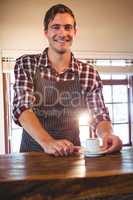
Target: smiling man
[60, 33]
[53, 88]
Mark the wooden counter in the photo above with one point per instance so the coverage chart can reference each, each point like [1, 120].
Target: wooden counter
[37, 176]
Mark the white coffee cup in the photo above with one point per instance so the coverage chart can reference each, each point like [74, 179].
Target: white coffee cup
[93, 145]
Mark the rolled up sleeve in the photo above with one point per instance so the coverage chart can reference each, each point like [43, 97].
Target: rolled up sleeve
[23, 87]
[94, 99]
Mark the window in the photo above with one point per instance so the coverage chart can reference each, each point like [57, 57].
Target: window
[16, 131]
[13, 132]
[117, 99]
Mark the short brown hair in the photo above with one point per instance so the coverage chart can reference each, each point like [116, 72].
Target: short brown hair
[58, 8]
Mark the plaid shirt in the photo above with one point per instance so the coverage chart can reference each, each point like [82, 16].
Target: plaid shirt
[90, 82]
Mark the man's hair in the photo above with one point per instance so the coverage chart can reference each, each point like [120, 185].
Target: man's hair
[59, 8]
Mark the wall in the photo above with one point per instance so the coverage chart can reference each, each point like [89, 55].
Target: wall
[104, 25]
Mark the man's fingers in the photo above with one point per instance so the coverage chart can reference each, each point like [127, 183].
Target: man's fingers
[60, 148]
[112, 144]
[76, 148]
[105, 144]
[68, 147]
[64, 148]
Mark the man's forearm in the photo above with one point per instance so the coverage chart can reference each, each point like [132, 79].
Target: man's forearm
[104, 128]
[32, 125]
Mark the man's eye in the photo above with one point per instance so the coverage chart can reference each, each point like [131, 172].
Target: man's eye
[55, 27]
[68, 27]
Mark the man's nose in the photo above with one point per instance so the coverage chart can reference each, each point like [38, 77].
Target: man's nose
[62, 29]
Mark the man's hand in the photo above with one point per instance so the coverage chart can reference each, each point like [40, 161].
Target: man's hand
[111, 143]
[32, 125]
[60, 147]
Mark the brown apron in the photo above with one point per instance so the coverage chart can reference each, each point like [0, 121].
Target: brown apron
[58, 104]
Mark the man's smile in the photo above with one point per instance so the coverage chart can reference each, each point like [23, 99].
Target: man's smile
[62, 40]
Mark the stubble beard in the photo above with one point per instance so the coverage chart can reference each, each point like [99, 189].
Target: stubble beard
[62, 50]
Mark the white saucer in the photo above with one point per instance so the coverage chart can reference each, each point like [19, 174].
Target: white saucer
[94, 154]
[88, 153]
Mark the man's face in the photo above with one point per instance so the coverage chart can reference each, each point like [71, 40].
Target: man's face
[61, 32]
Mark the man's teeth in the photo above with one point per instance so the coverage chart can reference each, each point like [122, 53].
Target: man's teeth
[62, 41]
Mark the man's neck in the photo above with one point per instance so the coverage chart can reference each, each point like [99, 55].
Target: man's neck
[59, 62]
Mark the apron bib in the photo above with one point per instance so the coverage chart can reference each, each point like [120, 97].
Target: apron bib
[57, 106]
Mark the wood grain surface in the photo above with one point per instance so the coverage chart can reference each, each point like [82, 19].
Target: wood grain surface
[29, 176]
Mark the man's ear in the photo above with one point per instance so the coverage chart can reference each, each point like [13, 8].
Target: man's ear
[46, 33]
[76, 31]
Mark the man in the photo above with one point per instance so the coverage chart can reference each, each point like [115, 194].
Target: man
[51, 90]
